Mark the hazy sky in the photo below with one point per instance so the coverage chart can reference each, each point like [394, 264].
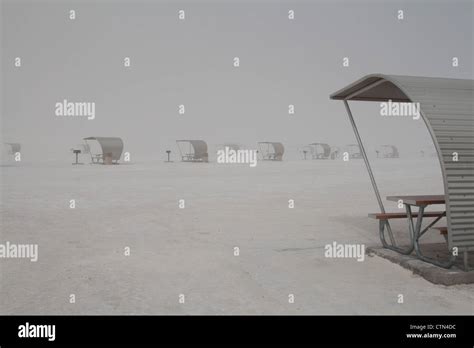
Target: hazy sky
[190, 62]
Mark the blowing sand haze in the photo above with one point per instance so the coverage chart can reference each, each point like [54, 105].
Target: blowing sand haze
[256, 158]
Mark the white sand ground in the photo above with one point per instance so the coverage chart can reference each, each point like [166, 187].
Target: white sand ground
[190, 251]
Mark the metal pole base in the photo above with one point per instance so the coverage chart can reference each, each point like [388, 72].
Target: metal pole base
[392, 246]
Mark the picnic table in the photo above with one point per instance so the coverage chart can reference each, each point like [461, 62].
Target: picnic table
[415, 229]
[447, 135]
[420, 201]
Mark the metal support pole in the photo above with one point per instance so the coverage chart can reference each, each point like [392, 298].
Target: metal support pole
[466, 261]
[369, 170]
[364, 155]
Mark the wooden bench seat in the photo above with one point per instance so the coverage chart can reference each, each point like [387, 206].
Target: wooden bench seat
[442, 230]
[388, 216]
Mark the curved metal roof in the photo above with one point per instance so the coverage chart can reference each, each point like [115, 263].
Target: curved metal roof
[325, 147]
[110, 146]
[447, 108]
[277, 147]
[199, 147]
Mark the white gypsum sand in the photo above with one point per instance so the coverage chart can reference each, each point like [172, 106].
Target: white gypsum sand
[191, 251]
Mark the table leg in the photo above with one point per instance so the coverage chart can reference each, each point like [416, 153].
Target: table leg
[384, 224]
[411, 227]
[416, 243]
[419, 220]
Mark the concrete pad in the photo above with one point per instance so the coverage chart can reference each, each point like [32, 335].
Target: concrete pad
[434, 274]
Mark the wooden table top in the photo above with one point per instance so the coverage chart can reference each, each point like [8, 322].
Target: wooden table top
[419, 199]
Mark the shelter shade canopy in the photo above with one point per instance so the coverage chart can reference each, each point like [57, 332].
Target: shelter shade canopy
[111, 146]
[378, 87]
[199, 150]
[447, 109]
